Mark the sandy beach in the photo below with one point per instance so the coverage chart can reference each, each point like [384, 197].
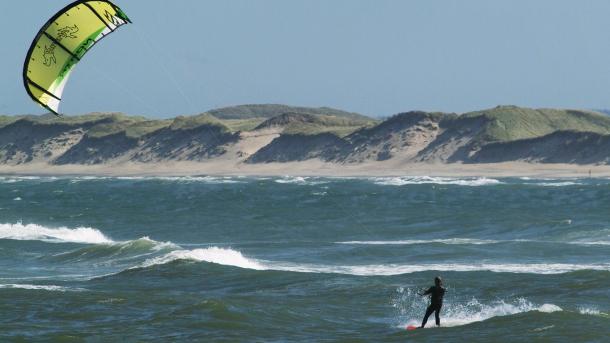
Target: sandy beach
[315, 168]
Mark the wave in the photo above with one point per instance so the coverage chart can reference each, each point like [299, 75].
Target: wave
[230, 257]
[216, 255]
[39, 287]
[592, 311]
[301, 180]
[35, 232]
[15, 179]
[590, 243]
[558, 184]
[459, 241]
[468, 241]
[186, 179]
[128, 250]
[419, 180]
[410, 309]
[394, 269]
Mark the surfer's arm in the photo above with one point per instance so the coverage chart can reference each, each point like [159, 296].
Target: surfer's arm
[426, 292]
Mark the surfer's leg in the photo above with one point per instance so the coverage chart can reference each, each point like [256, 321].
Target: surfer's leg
[429, 311]
[437, 315]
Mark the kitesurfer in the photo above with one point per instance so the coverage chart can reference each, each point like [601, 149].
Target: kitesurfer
[436, 293]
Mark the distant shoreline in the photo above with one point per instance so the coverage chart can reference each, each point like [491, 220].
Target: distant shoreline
[313, 168]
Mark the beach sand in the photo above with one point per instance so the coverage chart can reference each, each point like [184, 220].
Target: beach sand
[314, 168]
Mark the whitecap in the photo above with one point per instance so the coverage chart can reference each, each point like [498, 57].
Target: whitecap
[39, 287]
[182, 179]
[300, 180]
[558, 184]
[591, 311]
[228, 257]
[457, 241]
[410, 307]
[419, 180]
[35, 232]
[396, 269]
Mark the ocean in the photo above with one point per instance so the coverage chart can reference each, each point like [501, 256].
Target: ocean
[284, 259]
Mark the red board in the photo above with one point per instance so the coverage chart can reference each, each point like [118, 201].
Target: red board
[412, 327]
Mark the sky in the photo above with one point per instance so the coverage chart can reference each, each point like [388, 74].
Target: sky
[376, 57]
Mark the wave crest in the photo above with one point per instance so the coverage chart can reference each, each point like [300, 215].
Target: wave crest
[35, 232]
[457, 241]
[39, 287]
[420, 180]
[228, 257]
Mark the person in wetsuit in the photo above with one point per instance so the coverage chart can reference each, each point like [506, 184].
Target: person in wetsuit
[436, 293]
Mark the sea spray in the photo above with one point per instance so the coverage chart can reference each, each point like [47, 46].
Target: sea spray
[410, 308]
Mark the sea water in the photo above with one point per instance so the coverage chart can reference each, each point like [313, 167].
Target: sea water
[303, 259]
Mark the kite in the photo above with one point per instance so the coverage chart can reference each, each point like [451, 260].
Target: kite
[62, 42]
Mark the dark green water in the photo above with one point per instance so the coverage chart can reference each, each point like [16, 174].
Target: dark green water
[303, 259]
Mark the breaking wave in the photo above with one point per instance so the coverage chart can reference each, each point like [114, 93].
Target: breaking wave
[230, 257]
[419, 180]
[424, 241]
[39, 287]
[35, 232]
[185, 179]
[393, 269]
[216, 255]
[301, 180]
[410, 307]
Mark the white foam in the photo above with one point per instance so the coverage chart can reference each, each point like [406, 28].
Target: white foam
[395, 269]
[419, 180]
[557, 184]
[88, 178]
[185, 179]
[39, 287]
[228, 257]
[300, 180]
[35, 232]
[203, 179]
[548, 308]
[591, 243]
[592, 311]
[411, 307]
[460, 241]
[15, 179]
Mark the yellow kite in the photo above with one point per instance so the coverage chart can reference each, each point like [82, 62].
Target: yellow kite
[61, 44]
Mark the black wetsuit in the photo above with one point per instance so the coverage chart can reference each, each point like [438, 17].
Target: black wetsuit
[436, 297]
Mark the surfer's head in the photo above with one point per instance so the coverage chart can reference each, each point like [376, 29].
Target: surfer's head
[438, 281]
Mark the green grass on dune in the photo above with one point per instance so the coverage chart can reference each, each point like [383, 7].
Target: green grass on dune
[7, 120]
[243, 124]
[313, 129]
[508, 123]
[272, 110]
[309, 124]
[501, 124]
[191, 122]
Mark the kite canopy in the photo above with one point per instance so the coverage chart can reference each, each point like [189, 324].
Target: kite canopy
[62, 42]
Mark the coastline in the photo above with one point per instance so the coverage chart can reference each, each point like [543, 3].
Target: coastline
[313, 168]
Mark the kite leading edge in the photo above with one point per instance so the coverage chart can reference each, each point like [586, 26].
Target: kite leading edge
[62, 42]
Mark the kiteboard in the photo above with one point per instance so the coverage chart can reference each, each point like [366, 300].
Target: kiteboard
[412, 327]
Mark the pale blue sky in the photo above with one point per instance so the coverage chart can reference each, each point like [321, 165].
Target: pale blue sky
[377, 57]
